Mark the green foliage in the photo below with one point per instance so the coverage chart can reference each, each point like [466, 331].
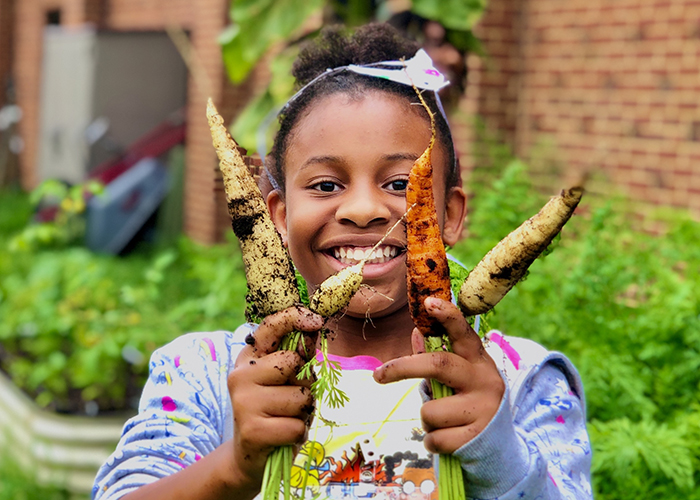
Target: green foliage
[454, 14]
[257, 25]
[624, 305]
[73, 322]
[498, 208]
[261, 111]
[68, 224]
[641, 459]
[18, 483]
[326, 374]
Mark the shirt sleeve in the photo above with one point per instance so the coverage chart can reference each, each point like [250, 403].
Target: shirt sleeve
[184, 414]
[537, 448]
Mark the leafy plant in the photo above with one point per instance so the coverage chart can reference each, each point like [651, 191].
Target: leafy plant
[65, 225]
[18, 483]
[624, 305]
[73, 322]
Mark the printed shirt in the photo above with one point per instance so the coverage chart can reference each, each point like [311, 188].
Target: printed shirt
[535, 447]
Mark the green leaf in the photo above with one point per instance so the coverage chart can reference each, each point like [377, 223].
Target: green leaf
[260, 25]
[628, 448]
[260, 111]
[454, 14]
[458, 273]
[245, 128]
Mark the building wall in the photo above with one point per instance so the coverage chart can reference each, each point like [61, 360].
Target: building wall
[6, 33]
[597, 86]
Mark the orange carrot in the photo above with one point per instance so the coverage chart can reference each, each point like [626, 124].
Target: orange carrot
[428, 273]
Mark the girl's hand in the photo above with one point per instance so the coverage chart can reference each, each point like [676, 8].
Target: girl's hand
[478, 387]
[271, 406]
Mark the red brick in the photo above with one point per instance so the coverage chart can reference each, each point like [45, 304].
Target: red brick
[611, 83]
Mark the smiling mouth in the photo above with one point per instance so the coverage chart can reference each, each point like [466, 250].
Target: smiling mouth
[352, 255]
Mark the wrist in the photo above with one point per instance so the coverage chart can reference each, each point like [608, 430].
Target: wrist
[235, 478]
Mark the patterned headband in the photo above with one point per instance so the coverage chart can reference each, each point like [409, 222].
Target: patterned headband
[418, 71]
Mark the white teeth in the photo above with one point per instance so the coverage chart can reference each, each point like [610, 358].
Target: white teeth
[353, 255]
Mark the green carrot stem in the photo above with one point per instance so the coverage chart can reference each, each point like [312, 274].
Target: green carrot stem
[273, 474]
[279, 463]
[266, 475]
[450, 479]
[288, 460]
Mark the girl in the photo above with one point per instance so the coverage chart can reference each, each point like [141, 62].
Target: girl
[215, 406]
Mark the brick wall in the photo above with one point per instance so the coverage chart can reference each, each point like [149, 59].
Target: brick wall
[30, 16]
[6, 33]
[204, 208]
[610, 87]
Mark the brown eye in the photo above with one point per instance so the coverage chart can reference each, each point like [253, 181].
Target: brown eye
[398, 185]
[326, 186]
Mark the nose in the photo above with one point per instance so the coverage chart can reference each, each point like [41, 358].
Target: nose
[363, 207]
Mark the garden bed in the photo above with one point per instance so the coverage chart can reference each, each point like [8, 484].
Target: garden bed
[61, 450]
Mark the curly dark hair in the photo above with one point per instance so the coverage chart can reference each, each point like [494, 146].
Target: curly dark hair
[336, 47]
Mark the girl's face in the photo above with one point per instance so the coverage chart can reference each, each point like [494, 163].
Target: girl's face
[346, 172]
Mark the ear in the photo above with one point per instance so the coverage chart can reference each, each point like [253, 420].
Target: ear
[278, 213]
[455, 212]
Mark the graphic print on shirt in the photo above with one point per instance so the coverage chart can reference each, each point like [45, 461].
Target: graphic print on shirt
[372, 448]
[401, 476]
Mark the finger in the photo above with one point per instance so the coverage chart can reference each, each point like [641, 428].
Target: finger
[269, 333]
[464, 339]
[447, 441]
[289, 401]
[271, 432]
[448, 368]
[451, 411]
[277, 368]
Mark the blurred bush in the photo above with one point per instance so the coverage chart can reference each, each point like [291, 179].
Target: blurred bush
[18, 483]
[77, 327]
[624, 305]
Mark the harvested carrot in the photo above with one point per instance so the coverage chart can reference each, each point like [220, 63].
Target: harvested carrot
[272, 285]
[337, 290]
[428, 274]
[508, 261]
[270, 276]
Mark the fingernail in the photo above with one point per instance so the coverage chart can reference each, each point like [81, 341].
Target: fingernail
[433, 304]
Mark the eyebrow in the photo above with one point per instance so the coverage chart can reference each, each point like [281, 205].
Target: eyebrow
[323, 159]
[401, 156]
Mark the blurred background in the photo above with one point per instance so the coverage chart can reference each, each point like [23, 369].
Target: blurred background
[114, 235]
